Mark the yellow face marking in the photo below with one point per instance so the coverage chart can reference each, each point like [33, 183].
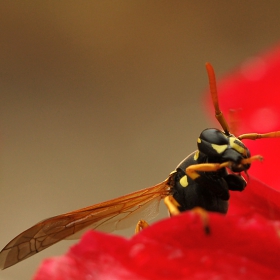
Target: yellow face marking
[237, 145]
[219, 148]
[196, 155]
[198, 140]
[184, 181]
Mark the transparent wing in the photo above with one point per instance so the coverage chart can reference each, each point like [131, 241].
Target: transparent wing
[118, 213]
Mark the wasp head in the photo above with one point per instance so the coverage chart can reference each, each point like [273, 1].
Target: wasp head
[221, 147]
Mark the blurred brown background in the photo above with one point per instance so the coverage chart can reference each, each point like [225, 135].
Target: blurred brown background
[102, 98]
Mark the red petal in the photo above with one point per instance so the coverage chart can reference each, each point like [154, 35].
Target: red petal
[255, 89]
[256, 198]
[176, 248]
[245, 244]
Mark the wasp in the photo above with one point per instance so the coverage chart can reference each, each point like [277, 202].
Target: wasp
[203, 179]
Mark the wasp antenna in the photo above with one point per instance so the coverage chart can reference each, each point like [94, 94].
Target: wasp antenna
[254, 136]
[234, 121]
[213, 89]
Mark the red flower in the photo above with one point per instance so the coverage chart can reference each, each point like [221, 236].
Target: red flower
[253, 90]
[245, 244]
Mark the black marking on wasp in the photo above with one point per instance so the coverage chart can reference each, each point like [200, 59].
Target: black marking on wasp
[203, 179]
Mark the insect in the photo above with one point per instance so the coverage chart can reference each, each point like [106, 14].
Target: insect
[203, 179]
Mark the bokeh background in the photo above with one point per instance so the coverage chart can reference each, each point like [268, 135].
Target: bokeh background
[102, 98]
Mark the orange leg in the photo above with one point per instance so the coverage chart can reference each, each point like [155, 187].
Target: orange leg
[204, 217]
[191, 171]
[172, 205]
[141, 225]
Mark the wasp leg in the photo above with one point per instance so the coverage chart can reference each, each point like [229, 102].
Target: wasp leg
[172, 205]
[204, 217]
[141, 225]
[251, 159]
[235, 182]
[191, 171]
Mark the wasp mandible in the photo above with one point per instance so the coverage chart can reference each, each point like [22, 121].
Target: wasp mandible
[203, 179]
